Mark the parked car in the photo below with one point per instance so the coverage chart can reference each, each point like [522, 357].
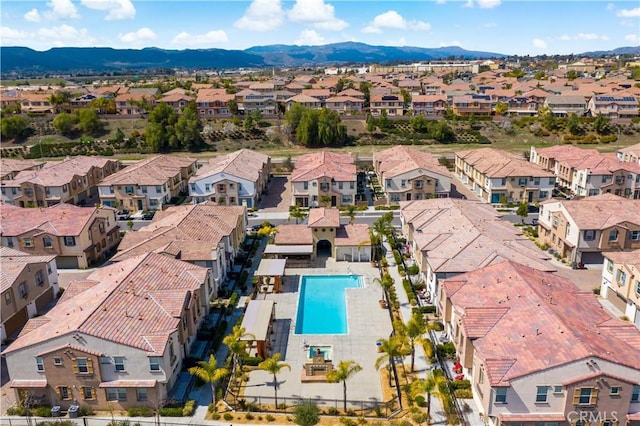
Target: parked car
[123, 215]
[148, 215]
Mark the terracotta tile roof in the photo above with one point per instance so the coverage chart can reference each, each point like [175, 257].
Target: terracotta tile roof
[624, 257]
[495, 163]
[594, 375]
[244, 163]
[14, 262]
[176, 97]
[9, 165]
[570, 154]
[302, 98]
[127, 304]
[601, 211]
[402, 159]
[340, 167]
[479, 321]
[352, 92]
[353, 235]
[152, 171]
[343, 99]
[290, 234]
[58, 173]
[212, 95]
[73, 347]
[461, 236]
[323, 217]
[549, 322]
[633, 149]
[59, 220]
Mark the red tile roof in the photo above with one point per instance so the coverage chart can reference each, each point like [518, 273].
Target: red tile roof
[323, 217]
[340, 167]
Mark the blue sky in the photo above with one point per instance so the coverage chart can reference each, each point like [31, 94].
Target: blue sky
[505, 26]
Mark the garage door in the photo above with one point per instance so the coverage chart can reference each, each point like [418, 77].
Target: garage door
[44, 299]
[67, 262]
[16, 322]
[616, 300]
[592, 258]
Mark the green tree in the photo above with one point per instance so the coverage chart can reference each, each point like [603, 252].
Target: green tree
[572, 75]
[383, 121]
[406, 99]
[306, 413]
[293, 116]
[249, 125]
[274, 366]
[365, 88]
[88, 121]
[237, 344]
[523, 211]
[391, 348]
[316, 127]
[160, 130]
[130, 224]
[573, 125]
[419, 124]
[540, 75]
[501, 108]
[415, 328]
[441, 132]
[65, 122]
[232, 104]
[104, 105]
[601, 124]
[386, 282]
[208, 372]
[428, 386]
[119, 135]
[295, 212]
[188, 128]
[14, 127]
[350, 211]
[61, 100]
[371, 123]
[346, 370]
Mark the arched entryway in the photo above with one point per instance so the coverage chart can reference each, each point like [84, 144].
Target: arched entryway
[323, 248]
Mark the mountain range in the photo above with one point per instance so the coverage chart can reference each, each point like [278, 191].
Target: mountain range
[100, 59]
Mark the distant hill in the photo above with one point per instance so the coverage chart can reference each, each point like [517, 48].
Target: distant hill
[65, 59]
[629, 50]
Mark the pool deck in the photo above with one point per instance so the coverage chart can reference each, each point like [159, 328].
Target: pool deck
[367, 323]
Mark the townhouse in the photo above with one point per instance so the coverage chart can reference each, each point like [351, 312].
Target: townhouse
[538, 351]
[565, 105]
[621, 282]
[429, 105]
[466, 105]
[116, 339]
[9, 167]
[213, 103]
[630, 154]
[78, 236]
[205, 234]
[605, 173]
[448, 237]
[73, 180]
[323, 179]
[177, 101]
[408, 174]
[580, 230]
[239, 178]
[557, 159]
[345, 105]
[614, 106]
[134, 103]
[148, 184]
[264, 103]
[494, 175]
[305, 101]
[391, 104]
[29, 283]
[38, 103]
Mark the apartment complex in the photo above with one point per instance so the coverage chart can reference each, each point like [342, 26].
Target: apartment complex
[630, 154]
[494, 175]
[407, 174]
[148, 184]
[29, 283]
[116, 339]
[538, 350]
[621, 282]
[78, 236]
[581, 230]
[235, 179]
[9, 167]
[73, 180]
[324, 179]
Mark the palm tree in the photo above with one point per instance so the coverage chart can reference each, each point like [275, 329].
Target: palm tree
[391, 348]
[386, 282]
[237, 346]
[273, 365]
[297, 213]
[380, 228]
[345, 370]
[415, 329]
[208, 372]
[351, 212]
[430, 385]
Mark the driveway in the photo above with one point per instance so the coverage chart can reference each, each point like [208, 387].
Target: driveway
[279, 197]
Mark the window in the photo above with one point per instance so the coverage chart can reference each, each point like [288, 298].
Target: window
[154, 363]
[47, 242]
[82, 366]
[634, 235]
[69, 241]
[614, 391]
[481, 376]
[128, 190]
[207, 187]
[522, 181]
[555, 221]
[57, 361]
[101, 227]
[557, 389]
[118, 362]
[536, 181]
[585, 396]
[621, 277]
[501, 396]
[352, 185]
[609, 265]
[111, 190]
[403, 183]
[417, 184]
[159, 189]
[387, 183]
[346, 199]
[28, 242]
[172, 354]
[88, 393]
[305, 185]
[9, 242]
[39, 277]
[39, 363]
[142, 394]
[63, 392]
[7, 298]
[144, 189]
[541, 393]
[23, 290]
[116, 394]
[324, 186]
[340, 185]
[635, 392]
[589, 235]
[613, 235]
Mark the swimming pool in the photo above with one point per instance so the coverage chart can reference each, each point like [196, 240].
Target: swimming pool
[322, 305]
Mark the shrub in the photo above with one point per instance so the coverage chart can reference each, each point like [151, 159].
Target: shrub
[347, 421]
[429, 309]
[446, 350]
[413, 269]
[43, 411]
[459, 384]
[189, 408]
[215, 416]
[170, 412]
[227, 416]
[463, 393]
[420, 401]
[249, 416]
[608, 138]
[270, 418]
[85, 411]
[332, 411]
[252, 361]
[139, 412]
[596, 291]
[306, 414]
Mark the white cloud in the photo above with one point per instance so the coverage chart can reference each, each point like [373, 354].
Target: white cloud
[261, 15]
[62, 9]
[13, 37]
[483, 4]
[137, 37]
[611, 6]
[318, 13]
[48, 37]
[632, 38]
[450, 43]
[309, 38]
[206, 40]
[539, 43]
[584, 36]
[394, 20]
[489, 25]
[629, 13]
[32, 16]
[118, 9]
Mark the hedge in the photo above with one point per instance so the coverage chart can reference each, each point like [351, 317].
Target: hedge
[429, 309]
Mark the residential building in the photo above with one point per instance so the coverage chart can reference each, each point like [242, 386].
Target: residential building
[134, 103]
[429, 105]
[38, 103]
[204, 234]
[630, 154]
[565, 105]
[177, 101]
[391, 104]
[408, 174]
[477, 105]
[614, 106]
[448, 237]
[580, 230]
[116, 339]
[304, 100]
[494, 175]
[73, 180]
[239, 178]
[78, 236]
[323, 178]
[550, 158]
[345, 105]
[9, 167]
[264, 103]
[538, 351]
[621, 282]
[604, 173]
[29, 284]
[148, 184]
[213, 103]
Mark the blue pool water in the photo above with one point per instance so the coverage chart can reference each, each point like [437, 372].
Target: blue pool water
[322, 306]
